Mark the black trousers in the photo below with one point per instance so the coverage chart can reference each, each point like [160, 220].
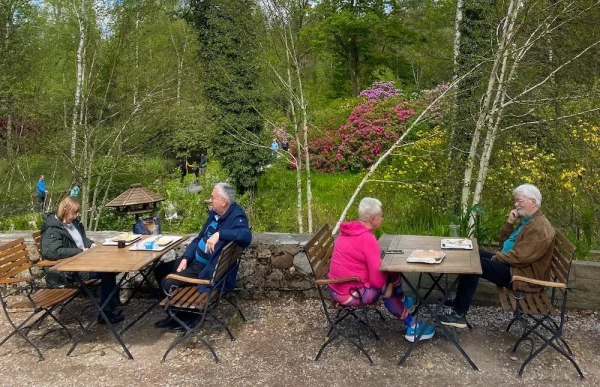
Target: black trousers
[165, 268]
[495, 272]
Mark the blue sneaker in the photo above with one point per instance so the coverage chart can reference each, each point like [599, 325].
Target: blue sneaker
[408, 302]
[411, 332]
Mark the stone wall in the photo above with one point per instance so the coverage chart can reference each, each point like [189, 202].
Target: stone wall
[275, 265]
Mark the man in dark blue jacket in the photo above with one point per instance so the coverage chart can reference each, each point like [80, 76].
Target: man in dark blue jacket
[226, 222]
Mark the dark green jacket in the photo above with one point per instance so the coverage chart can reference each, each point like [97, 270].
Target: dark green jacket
[56, 240]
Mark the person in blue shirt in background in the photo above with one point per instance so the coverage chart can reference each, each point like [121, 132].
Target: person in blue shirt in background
[41, 192]
[227, 222]
[274, 148]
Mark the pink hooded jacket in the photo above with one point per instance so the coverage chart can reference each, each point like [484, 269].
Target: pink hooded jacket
[356, 253]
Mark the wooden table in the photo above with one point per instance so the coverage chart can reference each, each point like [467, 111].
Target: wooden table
[111, 259]
[457, 261]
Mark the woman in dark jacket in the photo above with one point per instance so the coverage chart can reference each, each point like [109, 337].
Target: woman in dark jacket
[63, 236]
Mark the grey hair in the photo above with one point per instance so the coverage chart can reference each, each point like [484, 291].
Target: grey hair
[227, 191]
[530, 191]
[367, 208]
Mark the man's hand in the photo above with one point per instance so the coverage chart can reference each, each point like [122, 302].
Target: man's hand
[512, 216]
[182, 266]
[93, 245]
[211, 242]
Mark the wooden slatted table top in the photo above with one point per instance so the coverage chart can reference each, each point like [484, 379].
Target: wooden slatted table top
[111, 259]
[457, 261]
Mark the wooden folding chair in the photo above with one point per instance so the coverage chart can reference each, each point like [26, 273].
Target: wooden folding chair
[14, 262]
[188, 299]
[318, 251]
[543, 314]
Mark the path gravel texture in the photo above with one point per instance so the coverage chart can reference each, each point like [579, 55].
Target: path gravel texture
[277, 345]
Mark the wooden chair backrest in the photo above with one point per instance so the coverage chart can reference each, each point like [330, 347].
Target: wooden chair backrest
[37, 240]
[562, 256]
[14, 258]
[318, 251]
[229, 255]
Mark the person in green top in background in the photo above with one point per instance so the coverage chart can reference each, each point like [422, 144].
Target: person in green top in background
[526, 239]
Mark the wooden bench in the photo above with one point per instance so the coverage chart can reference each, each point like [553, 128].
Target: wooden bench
[15, 269]
[538, 312]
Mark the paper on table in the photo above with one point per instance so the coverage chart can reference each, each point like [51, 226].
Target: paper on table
[157, 247]
[457, 243]
[426, 256]
[127, 237]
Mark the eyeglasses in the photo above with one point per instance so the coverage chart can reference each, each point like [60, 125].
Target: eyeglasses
[521, 200]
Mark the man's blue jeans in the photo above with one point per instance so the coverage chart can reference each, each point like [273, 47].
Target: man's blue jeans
[495, 272]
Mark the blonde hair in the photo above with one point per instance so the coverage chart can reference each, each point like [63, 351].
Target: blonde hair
[66, 206]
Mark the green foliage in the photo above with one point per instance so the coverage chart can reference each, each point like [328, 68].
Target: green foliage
[230, 72]
[21, 222]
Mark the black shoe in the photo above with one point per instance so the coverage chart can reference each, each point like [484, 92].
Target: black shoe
[180, 328]
[166, 322]
[453, 319]
[112, 317]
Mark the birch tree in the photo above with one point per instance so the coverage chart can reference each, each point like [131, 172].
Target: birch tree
[502, 92]
[287, 19]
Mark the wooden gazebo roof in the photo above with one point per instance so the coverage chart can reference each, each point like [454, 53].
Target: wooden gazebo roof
[136, 200]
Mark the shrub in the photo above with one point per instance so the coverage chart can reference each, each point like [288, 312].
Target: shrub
[371, 129]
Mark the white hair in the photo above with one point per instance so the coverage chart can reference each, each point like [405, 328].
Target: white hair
[530, 191]
[368, 208]
[227, 191]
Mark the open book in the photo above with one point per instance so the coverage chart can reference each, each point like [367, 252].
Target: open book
[426, 256]
[457, 243]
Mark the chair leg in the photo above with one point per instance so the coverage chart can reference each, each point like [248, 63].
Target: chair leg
[365, 323]
[236, 307]
[49, 312]
[17, 330]
[380, 314]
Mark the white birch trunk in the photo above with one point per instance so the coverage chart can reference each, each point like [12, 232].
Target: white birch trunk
[298, 148]
[80, 74]
[456, 52]
[485, 108]
[303, 109]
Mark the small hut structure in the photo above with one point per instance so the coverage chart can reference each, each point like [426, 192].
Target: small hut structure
[135, 201]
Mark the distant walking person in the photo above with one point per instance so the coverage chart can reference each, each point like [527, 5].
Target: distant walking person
[203, 162]
[182, 168]
[274, 148]
[41, 192]
[284, 145]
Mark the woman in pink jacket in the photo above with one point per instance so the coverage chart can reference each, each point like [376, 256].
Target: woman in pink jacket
[356, 253]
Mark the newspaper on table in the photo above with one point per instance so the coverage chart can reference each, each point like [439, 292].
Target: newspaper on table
[426, 256]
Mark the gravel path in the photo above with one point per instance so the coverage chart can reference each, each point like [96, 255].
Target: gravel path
[276, 347]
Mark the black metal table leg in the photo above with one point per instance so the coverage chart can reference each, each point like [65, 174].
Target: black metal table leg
[154, 304]
[434, 317]
[100, 309]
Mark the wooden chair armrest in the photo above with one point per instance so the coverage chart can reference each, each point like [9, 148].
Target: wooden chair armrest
[196, 281]
[337, 281]
[549, 284]
[47, 263]
[15, 280]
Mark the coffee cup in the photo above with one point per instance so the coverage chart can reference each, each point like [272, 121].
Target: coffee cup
[120, 244]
